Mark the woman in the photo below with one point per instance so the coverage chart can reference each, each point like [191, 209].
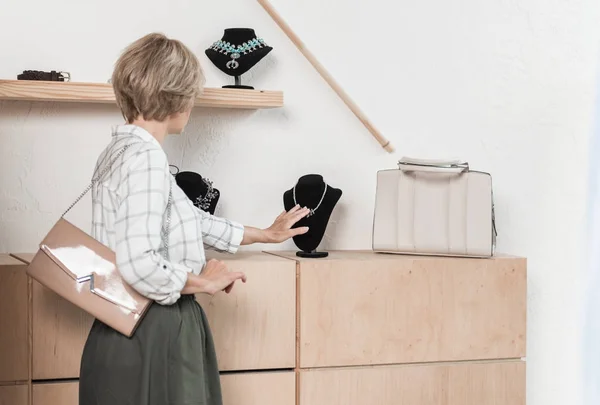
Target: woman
[159, 237]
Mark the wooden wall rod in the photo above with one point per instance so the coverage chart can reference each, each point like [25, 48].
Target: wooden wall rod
[326, 76]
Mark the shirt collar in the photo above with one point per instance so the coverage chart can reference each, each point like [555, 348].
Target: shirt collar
[130, 129]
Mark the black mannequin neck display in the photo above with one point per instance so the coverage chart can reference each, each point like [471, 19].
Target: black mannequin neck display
[310, 190]
[237, 52]
[199, 190]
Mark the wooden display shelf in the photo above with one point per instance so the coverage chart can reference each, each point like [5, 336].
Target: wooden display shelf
[74, 92]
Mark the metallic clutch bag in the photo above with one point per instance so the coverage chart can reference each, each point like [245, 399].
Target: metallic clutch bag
[83, 271]
[433, 207]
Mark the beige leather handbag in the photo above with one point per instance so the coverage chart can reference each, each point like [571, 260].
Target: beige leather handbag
[83, 271]
[434, 207]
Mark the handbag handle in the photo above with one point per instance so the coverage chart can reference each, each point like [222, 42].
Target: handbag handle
[407, 164]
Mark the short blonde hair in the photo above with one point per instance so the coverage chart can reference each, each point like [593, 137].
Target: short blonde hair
[156, 77]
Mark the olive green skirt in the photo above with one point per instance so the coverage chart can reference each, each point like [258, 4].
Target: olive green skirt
[170, 360]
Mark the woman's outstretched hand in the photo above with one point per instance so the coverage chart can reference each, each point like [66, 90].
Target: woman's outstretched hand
[280, 231]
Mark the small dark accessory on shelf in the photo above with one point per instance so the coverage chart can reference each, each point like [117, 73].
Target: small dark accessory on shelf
[237, 52]
[313, 192]
[52, 76]
[198, 189]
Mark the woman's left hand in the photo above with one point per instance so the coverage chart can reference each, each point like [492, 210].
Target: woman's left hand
[280, 231]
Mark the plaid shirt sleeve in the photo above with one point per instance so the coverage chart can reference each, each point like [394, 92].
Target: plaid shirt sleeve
[221, 234]
[143, 197]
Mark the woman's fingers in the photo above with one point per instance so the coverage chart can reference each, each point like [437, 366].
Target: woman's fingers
[294, 209]
[232, 278]
[237, 275]
[292, 216]
[297, 216]
[282, 236]
[299, 231]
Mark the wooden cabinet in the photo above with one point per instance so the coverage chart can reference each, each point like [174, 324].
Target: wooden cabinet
[264, 388]
[59, 393]
[351, 329]
[14, 395]
[254, 327]
[359, 308]
[14, 325]
[500, 383]
[59, 332]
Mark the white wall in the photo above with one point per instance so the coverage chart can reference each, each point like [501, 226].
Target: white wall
[505, 84]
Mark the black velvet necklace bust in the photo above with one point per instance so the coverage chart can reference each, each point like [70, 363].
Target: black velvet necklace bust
[237, 52]
[309, 191]
[199, 190]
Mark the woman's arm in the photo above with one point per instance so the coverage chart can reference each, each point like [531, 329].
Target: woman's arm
[220, 234]
[215, 277]
[280, 231]
[226, 236]
[254, 235]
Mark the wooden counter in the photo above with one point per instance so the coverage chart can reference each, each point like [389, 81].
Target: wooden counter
[350, 329]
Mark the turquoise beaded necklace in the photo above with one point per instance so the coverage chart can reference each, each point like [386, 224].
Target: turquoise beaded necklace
[235, 52]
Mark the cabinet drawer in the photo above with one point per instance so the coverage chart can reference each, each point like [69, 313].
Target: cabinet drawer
[449, 384]
[264, 388]
[14, 395]
[65, 393]
[360, 308]
[14, 304]
[254, 327]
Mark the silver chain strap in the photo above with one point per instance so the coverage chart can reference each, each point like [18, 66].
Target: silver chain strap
[166, 228]
[94, 181]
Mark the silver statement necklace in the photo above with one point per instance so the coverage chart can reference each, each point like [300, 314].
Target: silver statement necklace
[312, 210]
[203, 201]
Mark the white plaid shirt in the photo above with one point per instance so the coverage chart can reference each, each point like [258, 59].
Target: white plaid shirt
[129, 211]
